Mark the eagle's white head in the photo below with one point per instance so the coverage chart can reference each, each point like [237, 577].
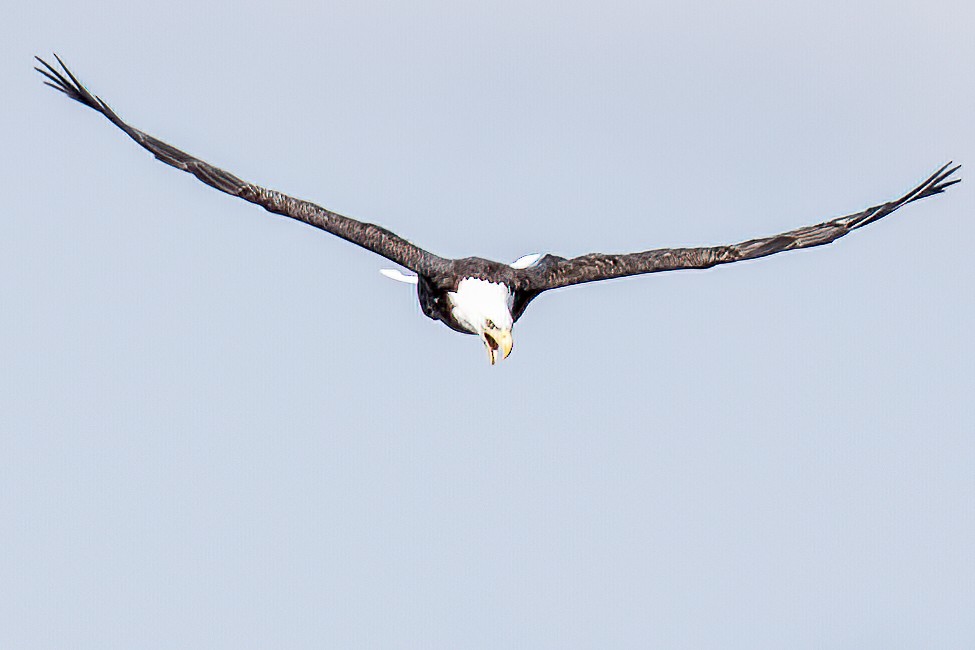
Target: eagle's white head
[481, 307]
[484, 308]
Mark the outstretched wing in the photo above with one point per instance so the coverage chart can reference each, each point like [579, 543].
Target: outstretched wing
[369, 236]
[557, 272]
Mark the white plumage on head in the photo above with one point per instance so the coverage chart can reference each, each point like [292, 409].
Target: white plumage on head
[477, 301]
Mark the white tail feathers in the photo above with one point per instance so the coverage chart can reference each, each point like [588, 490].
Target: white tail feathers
[525, 261]
[399, 276]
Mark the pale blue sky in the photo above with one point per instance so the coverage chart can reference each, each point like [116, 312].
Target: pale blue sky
[223, 429]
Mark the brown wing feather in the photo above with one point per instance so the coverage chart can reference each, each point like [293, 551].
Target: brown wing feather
[596, 266]
[369, 236]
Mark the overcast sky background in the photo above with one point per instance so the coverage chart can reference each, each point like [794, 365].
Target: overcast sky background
[225, 429]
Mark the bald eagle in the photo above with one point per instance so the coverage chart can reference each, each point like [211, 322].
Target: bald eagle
[478, 296]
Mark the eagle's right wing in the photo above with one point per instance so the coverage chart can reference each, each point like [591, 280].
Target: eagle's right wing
[369, 236]
[553, 272]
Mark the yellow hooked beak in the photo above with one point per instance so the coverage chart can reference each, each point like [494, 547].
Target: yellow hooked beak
[497, 341]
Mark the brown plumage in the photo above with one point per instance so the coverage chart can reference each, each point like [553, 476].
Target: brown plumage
[367, 235]
[597, 266]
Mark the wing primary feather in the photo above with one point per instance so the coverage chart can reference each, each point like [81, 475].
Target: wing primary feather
[55, 84]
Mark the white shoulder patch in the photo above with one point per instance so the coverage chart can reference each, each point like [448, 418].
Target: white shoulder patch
[525, 261]
[399, 276]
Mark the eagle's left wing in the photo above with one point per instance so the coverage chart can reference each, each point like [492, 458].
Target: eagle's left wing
[553, 272]
[369, 236]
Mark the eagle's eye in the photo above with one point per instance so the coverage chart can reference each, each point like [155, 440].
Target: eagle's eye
[489, 323]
